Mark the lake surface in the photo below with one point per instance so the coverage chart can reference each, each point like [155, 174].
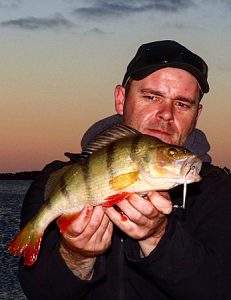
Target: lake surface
[12, 193]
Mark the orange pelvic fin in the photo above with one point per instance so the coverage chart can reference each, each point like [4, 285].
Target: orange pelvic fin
[113, 199]
[65, 220]
[26, 242]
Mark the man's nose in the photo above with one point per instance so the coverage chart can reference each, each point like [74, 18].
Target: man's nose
[166, 112]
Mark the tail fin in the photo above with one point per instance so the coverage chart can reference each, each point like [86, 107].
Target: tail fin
[27, 242]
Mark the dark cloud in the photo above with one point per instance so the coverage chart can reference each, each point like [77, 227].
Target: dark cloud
[109, 8]
[34, 23]
[10, 3]
[96, 31]
[228, 3]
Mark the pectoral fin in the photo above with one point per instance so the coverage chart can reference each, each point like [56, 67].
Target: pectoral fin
[124, 180]
[111, 200]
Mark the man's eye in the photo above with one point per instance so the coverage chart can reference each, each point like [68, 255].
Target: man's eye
[183, 105]
[150, 97]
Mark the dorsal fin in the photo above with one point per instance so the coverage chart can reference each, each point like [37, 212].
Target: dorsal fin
[77, 157]
[111, 135]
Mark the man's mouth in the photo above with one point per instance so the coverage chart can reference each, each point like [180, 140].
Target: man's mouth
[163, 135]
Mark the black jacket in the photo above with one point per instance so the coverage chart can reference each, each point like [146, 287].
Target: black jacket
[192, 261]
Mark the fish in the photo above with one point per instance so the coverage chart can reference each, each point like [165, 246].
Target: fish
[118, 163]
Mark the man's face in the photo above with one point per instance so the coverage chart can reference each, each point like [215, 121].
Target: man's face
[164, 104]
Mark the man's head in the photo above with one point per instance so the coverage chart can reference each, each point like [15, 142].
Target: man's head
[161, 91]
[153, 56]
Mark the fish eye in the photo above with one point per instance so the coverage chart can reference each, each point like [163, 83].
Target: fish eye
[172, 152]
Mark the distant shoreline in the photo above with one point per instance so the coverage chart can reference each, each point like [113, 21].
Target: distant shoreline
[27, 175]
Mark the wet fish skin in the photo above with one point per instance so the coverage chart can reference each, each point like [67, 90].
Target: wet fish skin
[121, 162]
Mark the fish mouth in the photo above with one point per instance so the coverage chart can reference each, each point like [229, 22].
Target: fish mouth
[191, 169]
[185, 171]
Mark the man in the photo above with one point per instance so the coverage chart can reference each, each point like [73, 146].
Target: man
[160, 251]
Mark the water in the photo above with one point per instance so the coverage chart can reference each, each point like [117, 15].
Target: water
[12, 193]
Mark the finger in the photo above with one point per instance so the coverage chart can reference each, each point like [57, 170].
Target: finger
[165, 194]
[131, 212]
[162, 203]
[108, 232]
[103, 227]
[101, 238]
[104, 233]
[128, 209]
[80, 223]
[107, 236]
[115, 217]
[144, 206]
[94, 222]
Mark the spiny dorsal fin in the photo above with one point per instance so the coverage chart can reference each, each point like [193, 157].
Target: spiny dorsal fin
[111, 135]
[77, 157]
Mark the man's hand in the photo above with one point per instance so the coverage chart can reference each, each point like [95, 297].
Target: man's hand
[146, 220]
[88, 236]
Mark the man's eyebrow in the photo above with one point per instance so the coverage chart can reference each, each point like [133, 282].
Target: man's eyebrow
[152, 91]
[159, 93]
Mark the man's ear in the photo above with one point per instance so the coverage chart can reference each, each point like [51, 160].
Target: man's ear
[119, 95]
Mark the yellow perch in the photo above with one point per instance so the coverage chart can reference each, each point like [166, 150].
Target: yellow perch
[120, 162]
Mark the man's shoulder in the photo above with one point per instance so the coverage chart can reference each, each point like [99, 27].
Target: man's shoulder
[216, 178]
[211, 170]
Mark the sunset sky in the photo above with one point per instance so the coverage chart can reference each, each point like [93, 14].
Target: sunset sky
[60, 61]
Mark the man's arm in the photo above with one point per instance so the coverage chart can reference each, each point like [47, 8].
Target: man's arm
[80, 266]
[86, 238]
